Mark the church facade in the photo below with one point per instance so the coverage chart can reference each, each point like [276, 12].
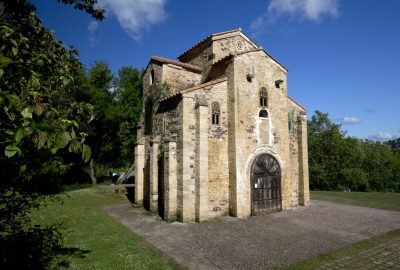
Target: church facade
[219, 134]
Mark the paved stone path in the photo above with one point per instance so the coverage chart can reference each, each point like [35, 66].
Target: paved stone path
[383, 256]
[263, 241]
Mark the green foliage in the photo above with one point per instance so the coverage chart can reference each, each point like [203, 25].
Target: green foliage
[88, 6]
[117, 106]
[23, 244]
[36, 122]
[128, 94]
[337, 161]
[42, 127]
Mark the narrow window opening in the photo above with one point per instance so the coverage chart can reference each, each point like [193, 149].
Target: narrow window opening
[148, 113]
[263, 97]
[291, 122]
[215, 113]
[151, 77]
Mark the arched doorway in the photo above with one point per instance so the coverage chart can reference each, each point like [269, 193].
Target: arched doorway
[265, 185]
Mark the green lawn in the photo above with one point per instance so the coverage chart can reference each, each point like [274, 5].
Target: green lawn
[388, 201]
[97, 240]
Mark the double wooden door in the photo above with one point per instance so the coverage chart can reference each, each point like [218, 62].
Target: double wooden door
[266, 184]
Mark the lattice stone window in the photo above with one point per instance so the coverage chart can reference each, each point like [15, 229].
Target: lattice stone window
[263, 97]
[215, 113]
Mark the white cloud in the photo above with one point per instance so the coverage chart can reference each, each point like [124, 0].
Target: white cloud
[312, 10]
[135, 16]
[384, 136]
[350, 120]
[92, 28]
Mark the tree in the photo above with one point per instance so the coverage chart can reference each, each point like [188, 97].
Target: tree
[324, 139]
[128, 94]
[38, 128]
[337, 161]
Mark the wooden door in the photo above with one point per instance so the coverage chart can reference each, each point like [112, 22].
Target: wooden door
[266, 184]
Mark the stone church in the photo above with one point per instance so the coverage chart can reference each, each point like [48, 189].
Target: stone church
[219, 134]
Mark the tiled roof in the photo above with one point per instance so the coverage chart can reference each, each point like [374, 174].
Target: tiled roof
[173, 62]
[193, 88]
[208, 38]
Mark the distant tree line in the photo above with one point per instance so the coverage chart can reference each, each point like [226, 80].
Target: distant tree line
[337, 161]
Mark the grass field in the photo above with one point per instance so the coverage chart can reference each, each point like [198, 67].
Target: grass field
[387, 201]
[96, 240]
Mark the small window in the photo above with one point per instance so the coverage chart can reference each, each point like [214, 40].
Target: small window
[215, 113]
[151, 77]
[263, 97]
[263, 113]
[291, 122]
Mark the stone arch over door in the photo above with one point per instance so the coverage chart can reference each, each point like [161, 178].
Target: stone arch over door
[265, 180]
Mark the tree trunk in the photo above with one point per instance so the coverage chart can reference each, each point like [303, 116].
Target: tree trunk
[91, 172]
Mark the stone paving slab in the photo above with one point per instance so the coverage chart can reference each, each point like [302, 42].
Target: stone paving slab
[383, 256]
[260, 242]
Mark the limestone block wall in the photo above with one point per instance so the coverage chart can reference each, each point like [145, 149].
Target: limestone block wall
[244, 107]
[218, 174]
[179, 78]
[204, 59]
[228, 45]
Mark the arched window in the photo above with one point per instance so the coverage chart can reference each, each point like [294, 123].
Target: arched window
[215, 113]
[263, 97]
[151, 76]
[263, 113]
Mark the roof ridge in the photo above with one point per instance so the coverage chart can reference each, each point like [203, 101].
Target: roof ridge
[208, 37]
[174, 62]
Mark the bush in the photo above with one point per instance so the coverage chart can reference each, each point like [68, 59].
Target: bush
[24, 244]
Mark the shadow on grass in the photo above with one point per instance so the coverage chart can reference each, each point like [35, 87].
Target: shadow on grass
[64, 255]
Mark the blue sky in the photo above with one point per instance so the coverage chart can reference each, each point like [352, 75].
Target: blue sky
[343, 56]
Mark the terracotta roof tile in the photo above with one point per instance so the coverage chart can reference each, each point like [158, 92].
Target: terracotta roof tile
[173, 62]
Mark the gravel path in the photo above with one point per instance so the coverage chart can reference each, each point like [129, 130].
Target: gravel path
[260, 242]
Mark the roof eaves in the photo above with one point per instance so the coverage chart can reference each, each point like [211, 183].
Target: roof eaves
[173, 62]
[294, 101]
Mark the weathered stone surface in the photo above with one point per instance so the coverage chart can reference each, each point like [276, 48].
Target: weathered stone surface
[219, 126]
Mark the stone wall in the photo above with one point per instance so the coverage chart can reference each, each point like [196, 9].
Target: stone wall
[178, 78]
[244, 125]
[182, 132]
[233, 44]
